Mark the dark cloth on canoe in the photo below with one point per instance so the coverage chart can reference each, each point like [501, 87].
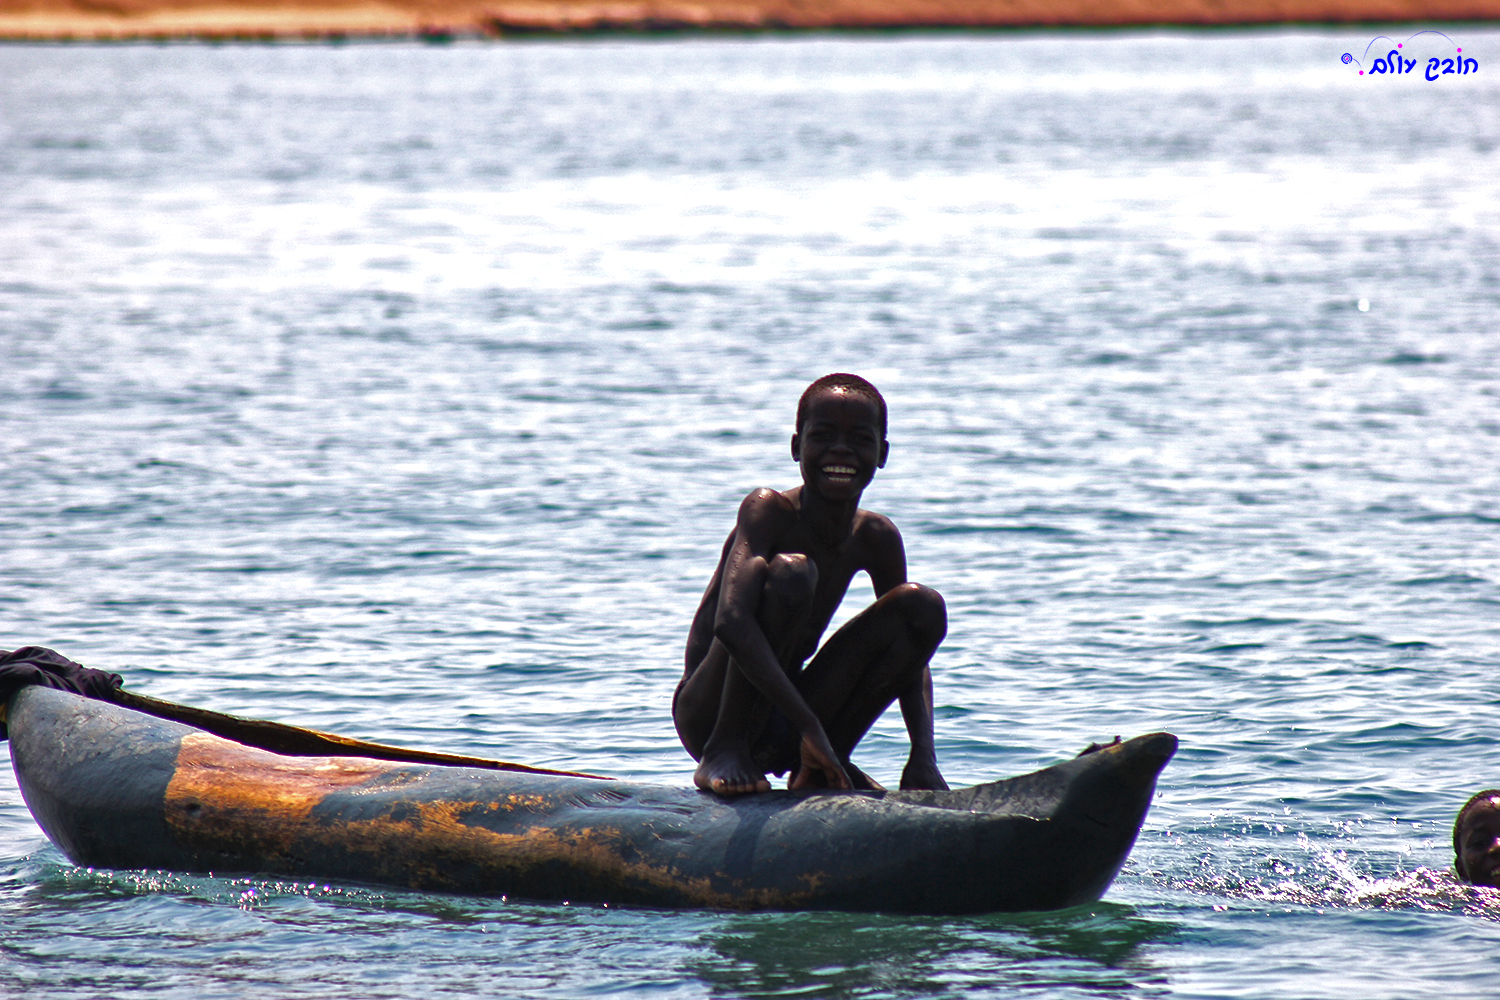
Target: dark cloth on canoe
[49, 668]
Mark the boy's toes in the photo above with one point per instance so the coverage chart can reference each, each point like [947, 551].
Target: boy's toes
[727, 774]
[739, 786]
[732, 786]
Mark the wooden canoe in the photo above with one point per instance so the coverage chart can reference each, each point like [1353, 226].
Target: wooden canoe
[113, 787]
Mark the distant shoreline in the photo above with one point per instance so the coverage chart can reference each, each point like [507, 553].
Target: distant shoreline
[286, 20]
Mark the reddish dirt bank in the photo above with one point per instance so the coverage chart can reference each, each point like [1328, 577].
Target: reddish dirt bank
[107, 19]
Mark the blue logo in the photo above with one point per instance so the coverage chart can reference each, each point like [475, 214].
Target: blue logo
[1442, 57]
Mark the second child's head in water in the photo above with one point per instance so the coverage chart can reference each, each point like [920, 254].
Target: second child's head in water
[840, 436]
[1476, 839]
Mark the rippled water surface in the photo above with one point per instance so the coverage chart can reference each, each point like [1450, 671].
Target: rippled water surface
[409, 391]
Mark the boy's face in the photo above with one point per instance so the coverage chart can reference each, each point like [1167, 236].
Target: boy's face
[1479, 844]
[839, 445]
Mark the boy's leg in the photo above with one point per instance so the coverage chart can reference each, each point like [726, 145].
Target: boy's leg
[718, 712]
[878, 657]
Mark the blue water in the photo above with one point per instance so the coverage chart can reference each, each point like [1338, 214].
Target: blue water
[409, 391]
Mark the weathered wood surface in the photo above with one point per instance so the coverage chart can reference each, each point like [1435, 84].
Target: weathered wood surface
[103, 19]
[116, 788]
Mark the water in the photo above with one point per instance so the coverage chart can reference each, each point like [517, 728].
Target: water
[409, 391]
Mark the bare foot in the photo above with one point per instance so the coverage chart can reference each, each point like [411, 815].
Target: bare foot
[729, 771]
[819, 768]
[860, 779]
[922, 775]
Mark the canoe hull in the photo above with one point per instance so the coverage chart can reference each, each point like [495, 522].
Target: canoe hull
[116, 788]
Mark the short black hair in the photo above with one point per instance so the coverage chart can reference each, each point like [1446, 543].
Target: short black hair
[1475, 801]
[846, 383]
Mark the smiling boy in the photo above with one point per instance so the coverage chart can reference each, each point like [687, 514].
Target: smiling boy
[746, 704]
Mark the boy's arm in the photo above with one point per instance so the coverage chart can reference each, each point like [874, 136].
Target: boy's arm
[887, 555]
[737, 626]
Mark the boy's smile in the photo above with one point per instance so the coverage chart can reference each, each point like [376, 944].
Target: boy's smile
[840, 473]
[839, 445]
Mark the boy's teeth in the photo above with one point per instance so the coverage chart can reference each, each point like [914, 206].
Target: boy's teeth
[838, 470]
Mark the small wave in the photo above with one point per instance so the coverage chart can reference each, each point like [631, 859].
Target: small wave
[254, 893]
[980, 529]
[1426, 581]
[639, 325]
[672, 288]
[1332, 881]
[1344, 640]
[1231, 622]
[63, 392]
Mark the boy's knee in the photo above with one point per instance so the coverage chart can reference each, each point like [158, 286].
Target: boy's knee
[925, 611]
[791, 577]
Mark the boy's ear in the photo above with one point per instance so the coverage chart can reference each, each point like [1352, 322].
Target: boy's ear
[885, 453]
[796, 448]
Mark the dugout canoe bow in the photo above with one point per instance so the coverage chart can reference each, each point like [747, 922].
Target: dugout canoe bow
[114, 787]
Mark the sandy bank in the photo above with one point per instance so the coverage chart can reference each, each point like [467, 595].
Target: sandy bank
[123, 19]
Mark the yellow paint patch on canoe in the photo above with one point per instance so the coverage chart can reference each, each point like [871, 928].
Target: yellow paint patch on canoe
[240, 801]
[255, 810]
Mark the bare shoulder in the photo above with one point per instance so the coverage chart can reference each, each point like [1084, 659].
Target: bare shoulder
[766, 502]
[764, 514]
[881, 552]
[877, 534]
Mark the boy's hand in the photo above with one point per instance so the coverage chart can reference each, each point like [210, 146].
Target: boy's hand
[818, 758]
